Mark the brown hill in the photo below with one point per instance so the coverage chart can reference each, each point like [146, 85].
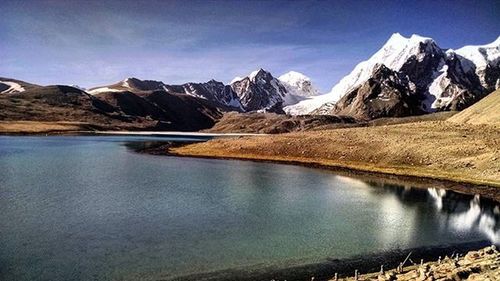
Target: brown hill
[55, 103]
[486, 111]
[177, 112]
[272, 123]
[149, 110]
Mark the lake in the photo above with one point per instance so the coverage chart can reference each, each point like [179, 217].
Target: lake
[91, 208]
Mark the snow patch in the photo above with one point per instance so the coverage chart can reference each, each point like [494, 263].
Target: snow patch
[78, 87]
[102, 90]
[125, 83]
[13, 87]
[440, 81]
[308, 105]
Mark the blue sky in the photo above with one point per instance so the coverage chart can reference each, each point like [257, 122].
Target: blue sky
[92, 43]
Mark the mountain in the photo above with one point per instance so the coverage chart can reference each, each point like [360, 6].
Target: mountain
[386, 92]
[298, 84]
[213, 91]
[169, 111]
[260, 91]
[129, 84]
[443, 79]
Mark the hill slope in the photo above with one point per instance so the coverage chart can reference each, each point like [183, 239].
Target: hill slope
[486, 111]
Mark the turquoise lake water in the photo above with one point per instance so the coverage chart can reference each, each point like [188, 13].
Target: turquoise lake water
[91, 208]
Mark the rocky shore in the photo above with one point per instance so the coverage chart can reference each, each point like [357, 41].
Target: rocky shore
[481, 265]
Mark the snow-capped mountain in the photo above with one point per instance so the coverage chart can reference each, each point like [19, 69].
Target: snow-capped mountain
[298, 84]
[395, 52]
[385, 93]
[444, 79]
[212, 90]
[261, 91]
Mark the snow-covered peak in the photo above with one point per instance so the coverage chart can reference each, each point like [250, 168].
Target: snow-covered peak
[293, 76]
[397, 39]
[298, 84]
[481, 55]
[252, 76]
[236, 79]
[393, 54]
[256, 73]
[398, 49]
[259, 76]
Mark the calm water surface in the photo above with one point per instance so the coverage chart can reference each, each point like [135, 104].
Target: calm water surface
[90, 208]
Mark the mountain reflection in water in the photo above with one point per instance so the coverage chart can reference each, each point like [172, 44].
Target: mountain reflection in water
[462, 212]
[481, 214]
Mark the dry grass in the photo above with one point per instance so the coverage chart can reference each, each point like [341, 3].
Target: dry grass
[486, 111]
[432, 149]
[38, 127]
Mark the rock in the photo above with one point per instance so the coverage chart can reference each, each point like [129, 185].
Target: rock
[389, 276]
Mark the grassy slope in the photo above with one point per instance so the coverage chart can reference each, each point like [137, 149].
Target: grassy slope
[486, 111]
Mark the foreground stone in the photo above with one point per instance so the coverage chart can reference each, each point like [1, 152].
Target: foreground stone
[481, 265]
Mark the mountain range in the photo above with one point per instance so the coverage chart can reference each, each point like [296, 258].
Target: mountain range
[136, 104]
[413, 73]
[407, 76]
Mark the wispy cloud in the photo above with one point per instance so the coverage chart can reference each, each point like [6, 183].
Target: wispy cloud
[99, 42]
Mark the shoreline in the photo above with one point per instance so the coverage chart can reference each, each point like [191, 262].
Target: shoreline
[463, 187]
[485, 188]
[366, 264]
[461, 158]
